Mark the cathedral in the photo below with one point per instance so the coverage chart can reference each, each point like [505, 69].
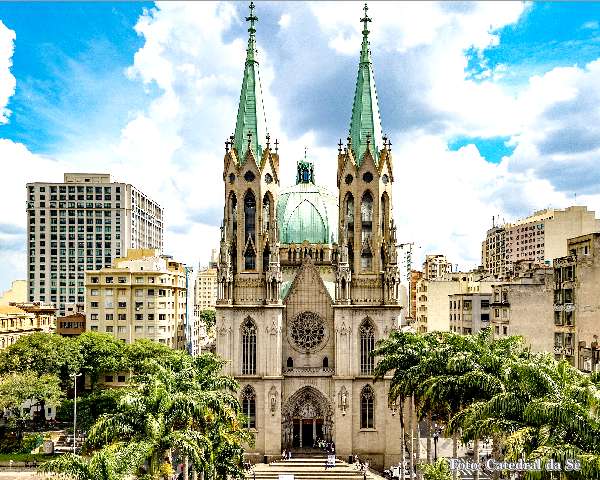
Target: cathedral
[308, 282]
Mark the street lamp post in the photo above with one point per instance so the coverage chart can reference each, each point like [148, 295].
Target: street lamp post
[435, 440]
[75, 413]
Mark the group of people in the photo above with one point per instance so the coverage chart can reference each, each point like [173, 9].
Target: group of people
[286, 454]
[361, 466]
[328, 447]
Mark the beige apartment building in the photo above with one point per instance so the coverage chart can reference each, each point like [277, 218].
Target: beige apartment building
[143, 295]
[17, 320]
[577, 303]
[205, 290]
[436, 266]
[539, 238]
[523, 306]
[433, 297]
[83, 223]
[469, 312]
[17, 293]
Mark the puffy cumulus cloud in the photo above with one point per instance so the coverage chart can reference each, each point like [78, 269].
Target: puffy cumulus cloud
[559, 140]
[22, 167]
[174, 149]
[193, 54]
[7, 80]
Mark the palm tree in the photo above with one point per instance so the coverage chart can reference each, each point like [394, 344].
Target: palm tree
[115, 462]
[193, 411]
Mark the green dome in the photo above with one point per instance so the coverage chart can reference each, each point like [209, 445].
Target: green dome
[307, 212]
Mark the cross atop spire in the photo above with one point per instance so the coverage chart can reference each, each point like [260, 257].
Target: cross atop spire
[251, 50]
[366, 21]
[253, 18]
[365, 54]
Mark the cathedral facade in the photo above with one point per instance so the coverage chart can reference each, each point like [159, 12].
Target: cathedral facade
[308, 282]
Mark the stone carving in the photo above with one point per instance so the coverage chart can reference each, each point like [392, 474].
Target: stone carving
[343, 400]
[273, 399]
[307, 330]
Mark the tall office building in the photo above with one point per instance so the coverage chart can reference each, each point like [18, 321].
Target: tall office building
[83, 224]
[436, 266]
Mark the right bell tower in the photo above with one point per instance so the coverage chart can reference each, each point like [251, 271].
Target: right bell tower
[367, 270]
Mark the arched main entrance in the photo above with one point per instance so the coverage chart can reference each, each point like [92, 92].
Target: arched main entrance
[306, 417]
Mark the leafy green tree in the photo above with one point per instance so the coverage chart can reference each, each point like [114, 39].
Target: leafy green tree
[43, 353]
[439, 470]
[16, 388]
[208, 317]
[137, 354]
[90, 406]
[101, 353]
[114, 462]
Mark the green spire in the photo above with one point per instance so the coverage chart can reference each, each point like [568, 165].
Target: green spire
[365, 125]
[250, 127]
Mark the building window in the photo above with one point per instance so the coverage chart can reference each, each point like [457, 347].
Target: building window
[366, 216]
[248, 347]
[249, 231]
[249, 406]
[367, 415]
[367, 345]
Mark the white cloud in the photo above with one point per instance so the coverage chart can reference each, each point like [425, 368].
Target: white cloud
[284, 20]
[443, 200]
[7, 79]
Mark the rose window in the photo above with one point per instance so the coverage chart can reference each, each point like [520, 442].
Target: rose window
[307, 330]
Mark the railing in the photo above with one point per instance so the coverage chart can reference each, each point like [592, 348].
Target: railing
[308, 371]
[565, 261]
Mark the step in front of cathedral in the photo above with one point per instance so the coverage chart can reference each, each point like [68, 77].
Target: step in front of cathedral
[312, 468]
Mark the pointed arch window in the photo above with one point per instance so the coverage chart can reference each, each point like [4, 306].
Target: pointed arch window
[249, 406]
[250, 231]
[233, 213]
[367, 407]
[385, 214]
[367, 345]
[248, 347]
[266, 255]
[366, 216]
[366, 259]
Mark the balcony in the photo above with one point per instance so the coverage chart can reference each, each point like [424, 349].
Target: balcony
[308, 372]
[565, 261]
[558, 349]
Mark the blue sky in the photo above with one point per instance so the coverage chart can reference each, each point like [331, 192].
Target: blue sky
[70, 60]
[497, 99]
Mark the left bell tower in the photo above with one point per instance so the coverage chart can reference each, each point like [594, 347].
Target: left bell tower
[251, 179]
[249, 310]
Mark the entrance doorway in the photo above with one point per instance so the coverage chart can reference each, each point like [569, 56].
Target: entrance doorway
[306, 417]
[306, 432]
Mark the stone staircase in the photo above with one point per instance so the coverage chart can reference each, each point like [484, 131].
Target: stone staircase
[310, 468]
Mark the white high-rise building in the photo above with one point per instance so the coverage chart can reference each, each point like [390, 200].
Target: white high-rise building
[81, 224]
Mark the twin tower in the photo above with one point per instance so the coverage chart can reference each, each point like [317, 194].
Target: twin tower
[308, 282]
[267, 230]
